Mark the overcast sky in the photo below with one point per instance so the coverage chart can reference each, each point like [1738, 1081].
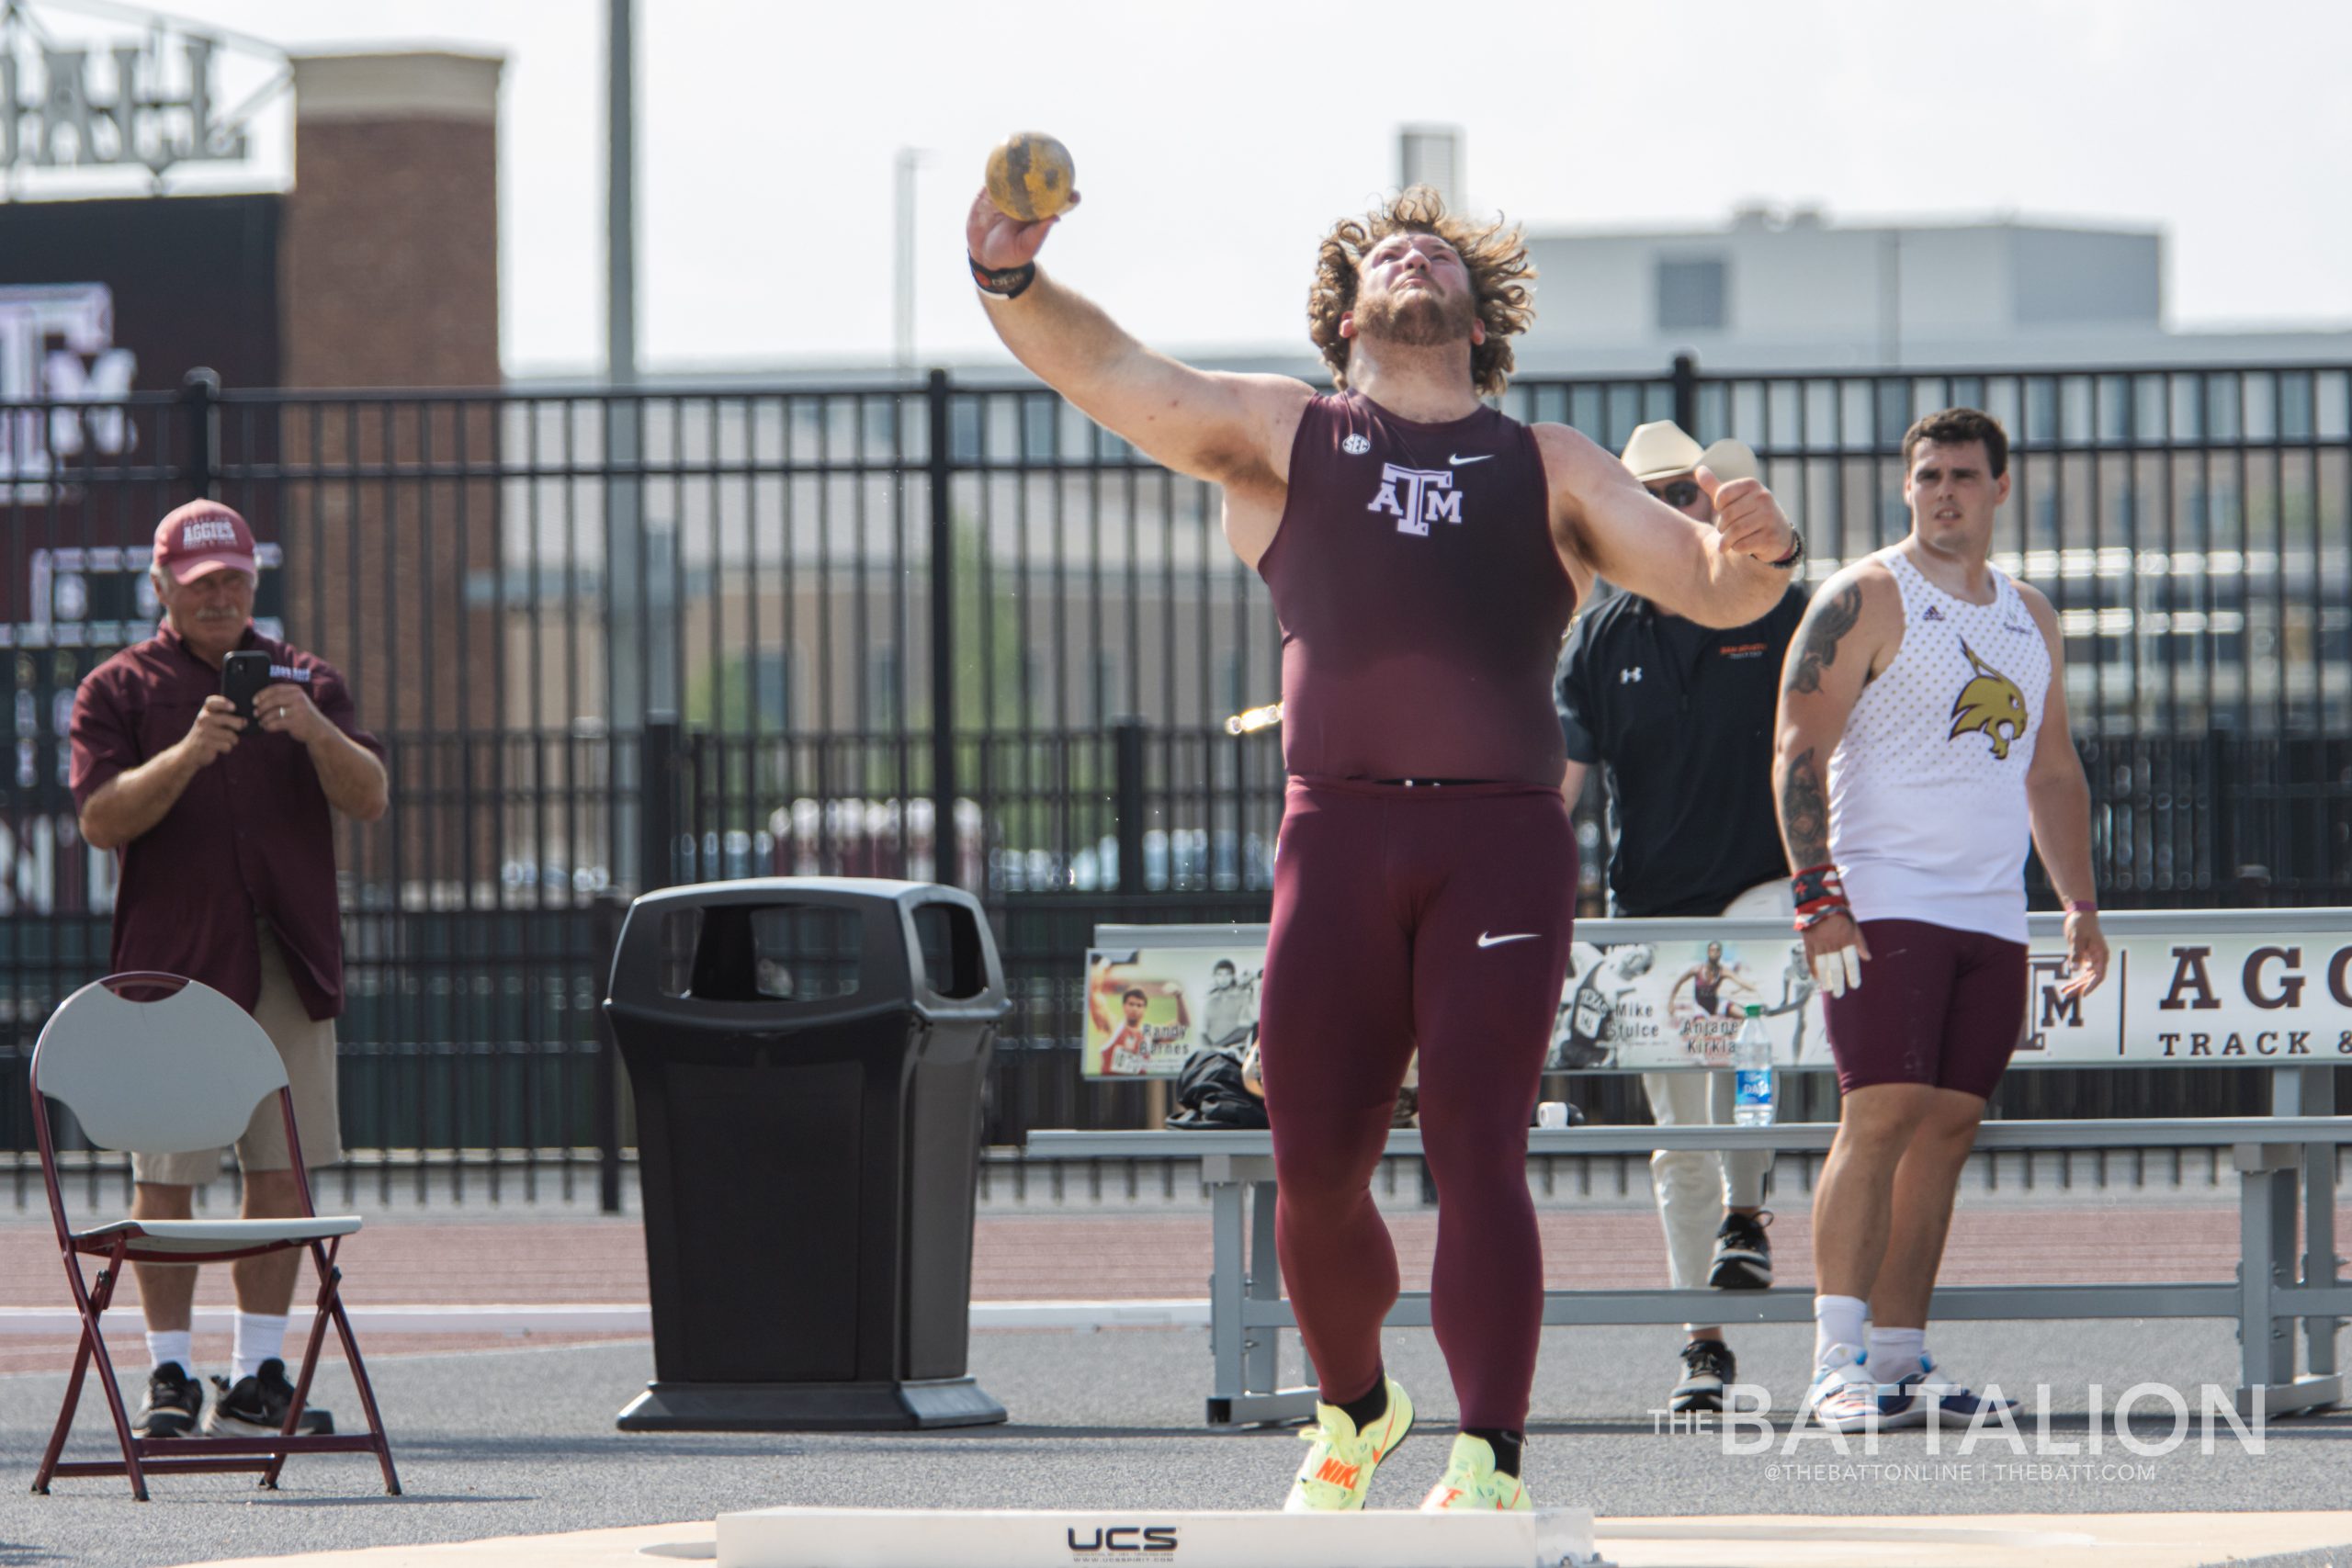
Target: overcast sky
[1216, 139]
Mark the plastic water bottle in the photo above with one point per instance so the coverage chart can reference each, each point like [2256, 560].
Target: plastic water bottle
[1751, 1061]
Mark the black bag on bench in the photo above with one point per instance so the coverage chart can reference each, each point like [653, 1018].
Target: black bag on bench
[1209, 1089]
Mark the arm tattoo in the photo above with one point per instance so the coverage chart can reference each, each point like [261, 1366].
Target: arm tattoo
[1804, 812]
[1825, 624]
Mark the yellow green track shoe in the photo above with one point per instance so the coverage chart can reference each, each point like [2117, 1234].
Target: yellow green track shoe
[1472, 1483]
[1340, 1459]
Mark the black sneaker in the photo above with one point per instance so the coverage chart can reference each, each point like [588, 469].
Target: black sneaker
[173, 1400]
[1742, 1253]
[1707, 1364]
[256, 1405]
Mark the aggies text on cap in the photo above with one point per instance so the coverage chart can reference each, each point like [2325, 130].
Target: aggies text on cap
[202, 537]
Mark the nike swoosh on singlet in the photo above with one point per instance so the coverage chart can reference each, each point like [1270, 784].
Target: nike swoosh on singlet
[1485, 940]
[1458, 462]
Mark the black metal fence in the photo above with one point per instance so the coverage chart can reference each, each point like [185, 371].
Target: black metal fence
[960, 632]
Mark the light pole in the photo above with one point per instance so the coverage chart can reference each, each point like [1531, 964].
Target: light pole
[635, 643]
[902, 303]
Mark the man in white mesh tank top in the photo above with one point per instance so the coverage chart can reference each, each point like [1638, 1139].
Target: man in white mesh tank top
[1922, 741]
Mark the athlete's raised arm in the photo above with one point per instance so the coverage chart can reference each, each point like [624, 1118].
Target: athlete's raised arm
[1606, 525]
[1232, 430]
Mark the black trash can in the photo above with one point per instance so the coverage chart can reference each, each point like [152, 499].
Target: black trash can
[808, 1055]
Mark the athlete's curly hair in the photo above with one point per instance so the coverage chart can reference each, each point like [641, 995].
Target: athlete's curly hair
[1495, 255]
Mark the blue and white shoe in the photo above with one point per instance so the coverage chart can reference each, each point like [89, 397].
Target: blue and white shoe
[1840, 1370]
[1914, 1400]
[1928, 1395]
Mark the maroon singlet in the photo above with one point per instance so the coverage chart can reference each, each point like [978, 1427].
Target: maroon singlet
[1422, 600]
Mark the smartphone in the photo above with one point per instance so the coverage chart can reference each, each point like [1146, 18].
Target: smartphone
[242, 676]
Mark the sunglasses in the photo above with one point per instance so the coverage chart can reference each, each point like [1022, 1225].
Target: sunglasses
[1678, 494]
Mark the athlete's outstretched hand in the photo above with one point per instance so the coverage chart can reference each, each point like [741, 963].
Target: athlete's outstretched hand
[1835, 949]
[997, 241]
[1747, 519]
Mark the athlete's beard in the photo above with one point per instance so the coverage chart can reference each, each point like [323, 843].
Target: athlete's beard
[1424, 319]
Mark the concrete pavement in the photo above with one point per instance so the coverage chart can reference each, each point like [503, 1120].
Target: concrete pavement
[503, 1447]
[521, 1443]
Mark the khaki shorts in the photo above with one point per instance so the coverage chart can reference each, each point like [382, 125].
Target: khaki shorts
[307, 1045]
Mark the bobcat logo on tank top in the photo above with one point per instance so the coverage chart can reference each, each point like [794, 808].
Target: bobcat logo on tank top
[1990, 705]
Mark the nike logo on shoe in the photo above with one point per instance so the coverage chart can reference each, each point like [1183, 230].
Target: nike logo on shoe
[1459, 462]
[1485, 940]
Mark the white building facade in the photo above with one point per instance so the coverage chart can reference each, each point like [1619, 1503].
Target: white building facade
[1792, 290]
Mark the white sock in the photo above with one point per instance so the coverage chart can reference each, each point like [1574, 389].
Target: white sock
[1896, 1353]
[172, 1345]
[1837, 1320]
[260, 1336]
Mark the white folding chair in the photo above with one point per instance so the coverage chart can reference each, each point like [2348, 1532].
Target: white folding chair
[179, 1071]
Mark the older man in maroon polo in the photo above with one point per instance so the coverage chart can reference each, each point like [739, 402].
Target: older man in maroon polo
[226, 837]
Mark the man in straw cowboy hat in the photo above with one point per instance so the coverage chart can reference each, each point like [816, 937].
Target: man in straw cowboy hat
[1678, 716]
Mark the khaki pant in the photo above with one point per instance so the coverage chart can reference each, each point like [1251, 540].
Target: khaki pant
[1695, 1185]
[307, 1047]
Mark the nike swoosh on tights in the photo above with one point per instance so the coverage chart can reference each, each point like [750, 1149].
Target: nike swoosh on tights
[1485, 940]
[1458, 462]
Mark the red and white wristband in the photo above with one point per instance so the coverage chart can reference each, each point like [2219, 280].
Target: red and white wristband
[2079, 905]
[1820, 893]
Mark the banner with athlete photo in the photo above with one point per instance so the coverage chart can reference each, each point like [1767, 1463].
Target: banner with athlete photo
[1680, 1004]
[1147, 1010]
[2185, 987]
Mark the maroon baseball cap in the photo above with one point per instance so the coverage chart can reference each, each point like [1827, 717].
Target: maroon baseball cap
[202, 537]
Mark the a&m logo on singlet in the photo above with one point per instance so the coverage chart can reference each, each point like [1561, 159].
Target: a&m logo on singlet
[1416, 498]
[1990, 706]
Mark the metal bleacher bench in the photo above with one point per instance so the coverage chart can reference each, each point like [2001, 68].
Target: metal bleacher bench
[2286, 1163]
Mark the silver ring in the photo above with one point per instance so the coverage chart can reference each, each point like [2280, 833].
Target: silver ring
[281, 711]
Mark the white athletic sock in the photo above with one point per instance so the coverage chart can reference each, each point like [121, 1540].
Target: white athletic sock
[1897, 1353]
[1837, 1320]
[260, 1336]
[172, 1345]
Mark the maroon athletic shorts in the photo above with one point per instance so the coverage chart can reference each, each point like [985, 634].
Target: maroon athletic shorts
[1436, 917]
[1935, 1006]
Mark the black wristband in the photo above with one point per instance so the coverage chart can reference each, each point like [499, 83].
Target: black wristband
[1796, 553]
[1005, 282]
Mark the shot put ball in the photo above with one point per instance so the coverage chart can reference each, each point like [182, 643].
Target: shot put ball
[1030, 177]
